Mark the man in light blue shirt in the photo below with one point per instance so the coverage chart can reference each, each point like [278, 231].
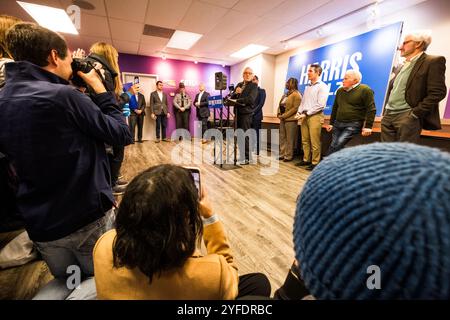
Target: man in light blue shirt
[310, 114]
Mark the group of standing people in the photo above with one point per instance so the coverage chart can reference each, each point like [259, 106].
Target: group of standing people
[412, 104]
[182, 106]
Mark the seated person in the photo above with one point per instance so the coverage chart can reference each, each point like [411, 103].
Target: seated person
[153, 252]
[381, 230]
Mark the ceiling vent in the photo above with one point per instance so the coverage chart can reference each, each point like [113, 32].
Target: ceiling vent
[159, 32]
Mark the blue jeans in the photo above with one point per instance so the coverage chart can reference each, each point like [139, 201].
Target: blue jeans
[74, 249]
[343, 132]
[57, 290]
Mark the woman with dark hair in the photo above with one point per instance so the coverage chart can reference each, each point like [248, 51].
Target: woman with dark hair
[153, 252]
[287, 109]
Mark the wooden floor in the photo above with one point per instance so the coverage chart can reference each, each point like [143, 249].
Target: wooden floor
[257, 210]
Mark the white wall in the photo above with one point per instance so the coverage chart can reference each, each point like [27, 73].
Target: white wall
[431, 14]
[263, 66]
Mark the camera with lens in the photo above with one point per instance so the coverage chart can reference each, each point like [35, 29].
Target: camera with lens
[84, 65]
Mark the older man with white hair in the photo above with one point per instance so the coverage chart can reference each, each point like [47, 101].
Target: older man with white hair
[415, 92]
[353, 111]
[245, 95]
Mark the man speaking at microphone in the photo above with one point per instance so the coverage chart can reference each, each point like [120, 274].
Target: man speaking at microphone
[245, 96]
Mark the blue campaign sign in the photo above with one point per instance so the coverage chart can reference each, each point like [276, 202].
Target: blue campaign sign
[215, 102]
[372, 53]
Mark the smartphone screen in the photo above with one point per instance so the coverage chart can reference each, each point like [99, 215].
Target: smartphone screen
[136, 79]
[195, 172]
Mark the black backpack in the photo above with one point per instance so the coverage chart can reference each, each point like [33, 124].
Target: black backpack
[10, 220]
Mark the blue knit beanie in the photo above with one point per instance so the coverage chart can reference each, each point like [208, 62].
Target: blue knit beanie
[385, 205]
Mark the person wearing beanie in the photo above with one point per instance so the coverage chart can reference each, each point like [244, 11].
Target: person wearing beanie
[373, 222]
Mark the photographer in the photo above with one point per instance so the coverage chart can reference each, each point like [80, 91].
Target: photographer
[55, 136]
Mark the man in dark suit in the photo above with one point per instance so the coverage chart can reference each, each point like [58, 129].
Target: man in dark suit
[160, 111]
[245, 96]
[201, 103]
[258, 113]
[414, 93]
[137, 115]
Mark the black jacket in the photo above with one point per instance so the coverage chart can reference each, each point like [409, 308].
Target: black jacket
[247, 98]
[109, 73]
[55, 138]
[425, 89]
[202, 109]
[259, 104]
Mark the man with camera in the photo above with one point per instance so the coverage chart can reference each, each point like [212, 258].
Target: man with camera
[55, 138]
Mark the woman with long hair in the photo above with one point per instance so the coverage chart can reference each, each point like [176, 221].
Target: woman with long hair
[108, 57]
[154, 251]
[103, 51]
[287, 109]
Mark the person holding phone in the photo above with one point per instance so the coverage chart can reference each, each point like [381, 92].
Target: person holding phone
[137, 115]
[154, 251]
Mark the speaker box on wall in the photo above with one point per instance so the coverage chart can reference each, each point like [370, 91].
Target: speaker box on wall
[220, 81]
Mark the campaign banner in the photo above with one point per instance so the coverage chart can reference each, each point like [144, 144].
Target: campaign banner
[372, 53]
[215, 102]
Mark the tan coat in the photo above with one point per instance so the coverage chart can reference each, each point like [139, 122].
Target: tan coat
[213, 276]
[292, 103]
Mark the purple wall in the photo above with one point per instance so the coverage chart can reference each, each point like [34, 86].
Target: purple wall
[447, 107]
[174, 70]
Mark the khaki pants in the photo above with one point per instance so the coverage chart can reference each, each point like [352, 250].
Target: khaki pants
[311, 129]
[288, 132]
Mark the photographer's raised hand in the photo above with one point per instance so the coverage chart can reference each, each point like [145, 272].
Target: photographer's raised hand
[78, 54]
[93, 80]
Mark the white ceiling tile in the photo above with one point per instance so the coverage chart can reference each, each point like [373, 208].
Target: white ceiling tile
[126, 46]
[95, 26]
[167, 14]
[232, 23]
[256, 8]
[222, 3]
[207, 43]
[201, 17]
[74, 42]
[328, 12]
[126, 30]
[98, 4]
[149, 50]
[131, 10]
[291, 10]
[156, 41]
[256, 30]
[278, 35]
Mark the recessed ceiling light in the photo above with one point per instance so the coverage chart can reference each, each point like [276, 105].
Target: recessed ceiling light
[195, 61]
[183, 40]
[48, 17]
[249, 51]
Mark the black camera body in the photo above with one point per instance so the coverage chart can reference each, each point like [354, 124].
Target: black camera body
[84, 65]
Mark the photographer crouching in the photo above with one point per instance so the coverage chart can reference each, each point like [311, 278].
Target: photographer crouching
[54, 137]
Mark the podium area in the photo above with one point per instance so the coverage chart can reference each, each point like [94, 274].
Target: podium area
[257, 210]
